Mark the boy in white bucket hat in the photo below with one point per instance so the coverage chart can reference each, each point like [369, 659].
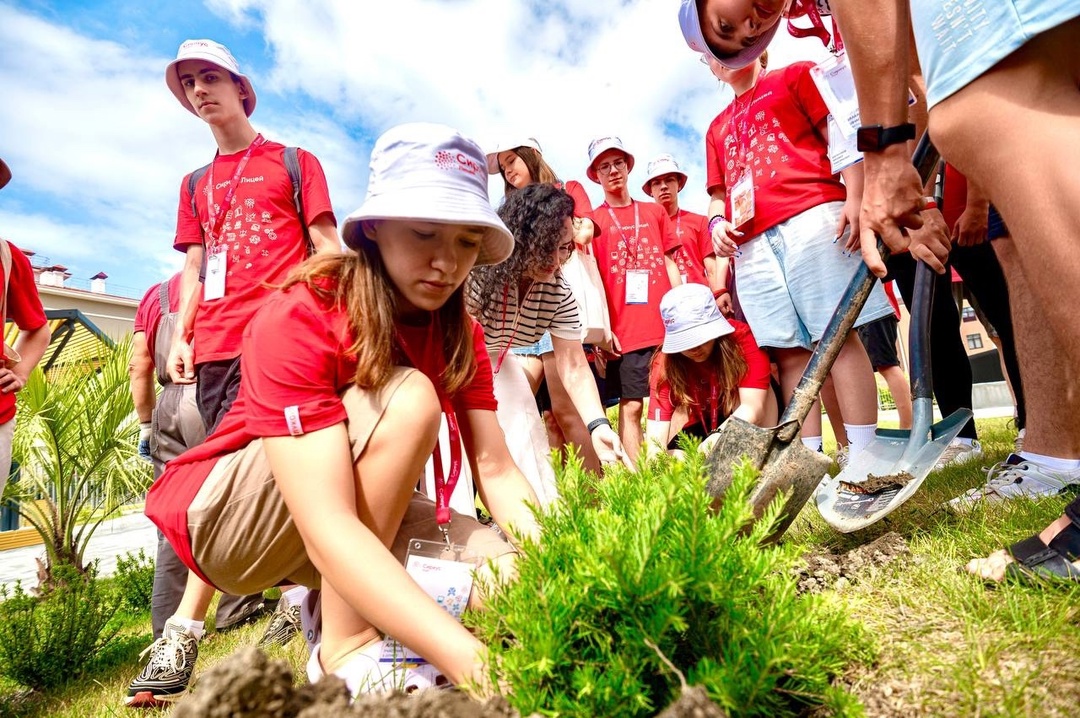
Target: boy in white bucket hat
[348, 372]
[696, 259]
[239, 241]
[634, 250]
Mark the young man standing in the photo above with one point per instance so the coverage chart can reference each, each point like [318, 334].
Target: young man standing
[634, 251]
[241, 233]
[696, 259]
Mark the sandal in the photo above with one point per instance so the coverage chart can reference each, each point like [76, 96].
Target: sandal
[1039, 561]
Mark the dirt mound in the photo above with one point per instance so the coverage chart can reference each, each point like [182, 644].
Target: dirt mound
[828, 570]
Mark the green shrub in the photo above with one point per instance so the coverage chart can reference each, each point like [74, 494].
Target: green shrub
[134, 581]
[46, 640]
[636, 565]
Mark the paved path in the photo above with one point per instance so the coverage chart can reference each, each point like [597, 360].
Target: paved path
[113, 538]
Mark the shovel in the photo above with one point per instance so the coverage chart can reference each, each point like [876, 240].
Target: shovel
[784, 464]
[890, 469]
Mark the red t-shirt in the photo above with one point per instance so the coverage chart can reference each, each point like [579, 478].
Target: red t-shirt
[260, 232]
[705, 381]
[295, 359]
[148, 315]
[24, 308]
[773, 129]
[620, 247]
[692, 231]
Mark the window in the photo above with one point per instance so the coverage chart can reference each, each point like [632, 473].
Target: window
[968, 314]
[974, 341]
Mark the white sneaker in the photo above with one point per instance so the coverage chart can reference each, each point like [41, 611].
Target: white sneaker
[311, 619]
[1015, 477]
[959, 452]
[842, 456]
[366, 672]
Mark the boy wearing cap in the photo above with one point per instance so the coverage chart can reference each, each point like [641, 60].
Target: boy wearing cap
[241, 235]
[633, 247]
[23, 306]
[696, 259]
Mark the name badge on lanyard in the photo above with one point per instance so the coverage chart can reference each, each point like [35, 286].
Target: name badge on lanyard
[742, 199]
[637, 286]
[214, 282]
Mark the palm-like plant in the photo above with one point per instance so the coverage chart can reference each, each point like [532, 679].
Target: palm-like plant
[76, 442]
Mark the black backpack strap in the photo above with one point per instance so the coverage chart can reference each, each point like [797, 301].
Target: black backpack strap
[193, 179]
[292, 166]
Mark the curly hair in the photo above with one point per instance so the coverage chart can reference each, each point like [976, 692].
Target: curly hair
[536, 215]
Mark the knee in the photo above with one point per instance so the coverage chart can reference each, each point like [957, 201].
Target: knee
[415, 404]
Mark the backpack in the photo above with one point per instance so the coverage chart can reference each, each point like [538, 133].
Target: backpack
[292, 166]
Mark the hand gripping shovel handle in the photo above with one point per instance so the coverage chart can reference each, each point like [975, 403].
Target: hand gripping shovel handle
[925, 159]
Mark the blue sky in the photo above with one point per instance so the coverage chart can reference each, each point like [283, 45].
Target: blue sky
[98, 145]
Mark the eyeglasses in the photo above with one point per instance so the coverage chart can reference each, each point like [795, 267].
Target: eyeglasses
[606, 168]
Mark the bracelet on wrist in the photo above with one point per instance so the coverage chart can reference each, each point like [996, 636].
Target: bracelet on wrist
[715, 220]
[596, 423]
[720, 292]
[929, 203]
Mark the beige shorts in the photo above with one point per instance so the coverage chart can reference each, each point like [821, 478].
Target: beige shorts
[244, 540]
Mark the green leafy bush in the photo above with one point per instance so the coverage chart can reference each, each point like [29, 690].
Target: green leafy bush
[134, 581]
[46, 640]
[634, 571]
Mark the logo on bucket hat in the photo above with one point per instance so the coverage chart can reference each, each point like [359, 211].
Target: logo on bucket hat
[214, 53]
[430, 173]
[601, 145]
[663, 165]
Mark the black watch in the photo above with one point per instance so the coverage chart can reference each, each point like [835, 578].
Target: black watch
[875, 138]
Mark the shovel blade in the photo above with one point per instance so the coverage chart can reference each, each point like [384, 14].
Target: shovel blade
[786, 468]
[848, 511]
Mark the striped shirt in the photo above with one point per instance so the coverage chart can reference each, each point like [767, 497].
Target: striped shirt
[547, 306]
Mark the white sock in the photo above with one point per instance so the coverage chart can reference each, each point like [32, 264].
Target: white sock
[812, 442]
[293, 596]
[190, 625]
[858, 436]
[1066, 466]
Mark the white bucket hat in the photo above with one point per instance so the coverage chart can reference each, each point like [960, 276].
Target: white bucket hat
[213, 52]
[493, 156]
[430, 173]
[660, 166]
[600, 146]
[5, 174]
[690, 318]
[690, 24]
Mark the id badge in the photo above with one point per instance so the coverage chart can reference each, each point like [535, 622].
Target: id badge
[836, 85]
[446, 574]
[214, 281]
[843, 150]
[742, 199]
[637, 286]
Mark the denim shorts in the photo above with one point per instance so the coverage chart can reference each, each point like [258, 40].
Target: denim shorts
[959, 40]
[540, 348]
[792, 276]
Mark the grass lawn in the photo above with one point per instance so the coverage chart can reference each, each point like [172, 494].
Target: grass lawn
[946, 645]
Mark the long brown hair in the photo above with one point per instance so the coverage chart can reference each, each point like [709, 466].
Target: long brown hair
[539, 170]
[358, 282]
[726, 359]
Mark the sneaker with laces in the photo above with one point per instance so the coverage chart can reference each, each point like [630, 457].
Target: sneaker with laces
[284, 625]
[165, 677]
[1016, 477]
[311, 619]
[367, 671]
[1018, 442]
[842, 457]
[958, 453]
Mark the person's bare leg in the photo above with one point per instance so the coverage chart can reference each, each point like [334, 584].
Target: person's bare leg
[791, 363]
[196, 600]
[573, 428]
[630, 432]
[385, 477]
[832, 410]
[534, 370]
[1026, 160]
[853, 378]
[900, 388]
[1051, 381]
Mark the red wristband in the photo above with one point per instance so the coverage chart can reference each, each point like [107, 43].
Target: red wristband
[720, 292]
[929, 203]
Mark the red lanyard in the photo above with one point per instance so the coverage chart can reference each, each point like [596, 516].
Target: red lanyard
[714, 400]
[444, 485]
[817, 28]
[513, 329]
[217, 212]
[631, 251]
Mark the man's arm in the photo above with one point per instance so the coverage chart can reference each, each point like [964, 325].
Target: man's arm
[143, 393]
[876, 35]
[31, 346]
[324, 235]
[181, 365]
[672, 269]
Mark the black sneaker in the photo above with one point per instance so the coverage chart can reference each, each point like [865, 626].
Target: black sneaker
[165, 676]
[284, 624]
